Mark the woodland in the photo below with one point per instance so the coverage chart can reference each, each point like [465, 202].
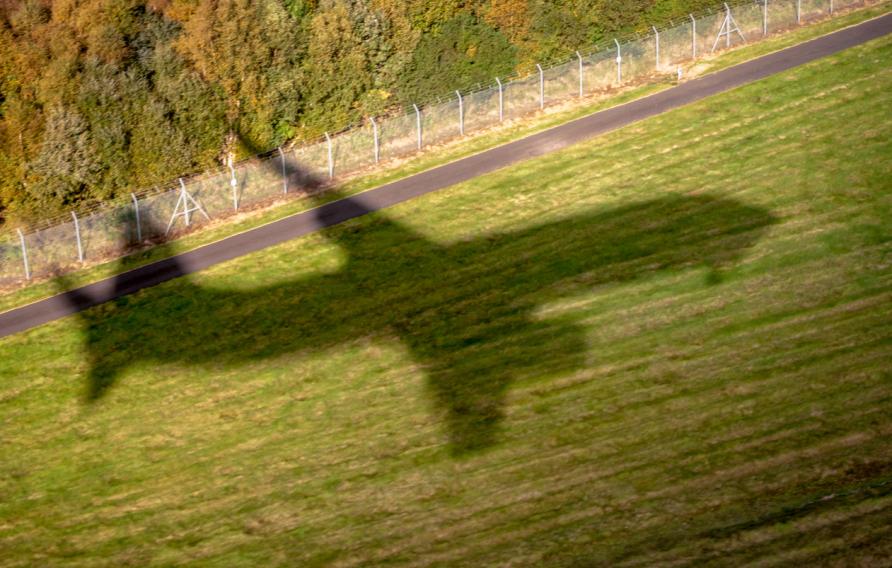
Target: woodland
[99, 98]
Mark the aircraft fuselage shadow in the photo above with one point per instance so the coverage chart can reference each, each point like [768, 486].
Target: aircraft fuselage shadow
[465, 311]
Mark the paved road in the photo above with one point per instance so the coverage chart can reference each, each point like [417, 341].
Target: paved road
[43, 311]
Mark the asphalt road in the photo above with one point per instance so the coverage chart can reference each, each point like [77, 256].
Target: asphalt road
[47, 310]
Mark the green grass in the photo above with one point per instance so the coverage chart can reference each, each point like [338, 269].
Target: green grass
[448, 153]
[669, 345]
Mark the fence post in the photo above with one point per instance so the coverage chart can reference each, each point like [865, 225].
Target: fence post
[375, 136]
[693, 36]
[461, 114]
[77, 234]
[657, 46]
[284, 172]
[831, 7]
[417, 123]
[136, 213]
[619, 63]
[501, 99]
[798, 12]
[330, 156]
[541, 86]
[24, 255]
[233, 183]
[764, 17]
[579, 57]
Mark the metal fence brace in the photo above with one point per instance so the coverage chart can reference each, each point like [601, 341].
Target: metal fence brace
[729, 26]
[186, 205]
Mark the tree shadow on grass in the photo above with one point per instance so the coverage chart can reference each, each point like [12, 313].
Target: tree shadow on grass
[465, 311]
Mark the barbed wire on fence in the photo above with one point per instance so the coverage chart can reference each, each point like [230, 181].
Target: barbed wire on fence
[95, 232]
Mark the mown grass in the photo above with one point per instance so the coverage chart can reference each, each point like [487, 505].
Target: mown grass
[669, 345]
[441, 155]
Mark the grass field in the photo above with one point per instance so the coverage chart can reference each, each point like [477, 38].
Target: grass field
[450, 152]
[671, 345]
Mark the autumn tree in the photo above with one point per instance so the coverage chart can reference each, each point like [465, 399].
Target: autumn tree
[511, 17]
[250, 50]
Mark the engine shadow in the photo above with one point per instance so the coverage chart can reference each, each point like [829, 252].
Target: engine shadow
[465, 311]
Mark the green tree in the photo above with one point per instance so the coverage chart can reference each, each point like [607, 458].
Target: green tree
[67, 165]
[429, 16]
[182, 101]
[555, 30]
[464, 52]
[107, 99]
[159, 150]
[336, 71]
[402, 38]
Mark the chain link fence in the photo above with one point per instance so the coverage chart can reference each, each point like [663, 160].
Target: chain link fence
[65, 244]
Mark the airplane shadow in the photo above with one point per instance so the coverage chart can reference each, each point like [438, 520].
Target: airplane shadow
[465, 310]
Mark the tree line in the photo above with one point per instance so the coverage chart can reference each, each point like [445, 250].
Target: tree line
[100, 97]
